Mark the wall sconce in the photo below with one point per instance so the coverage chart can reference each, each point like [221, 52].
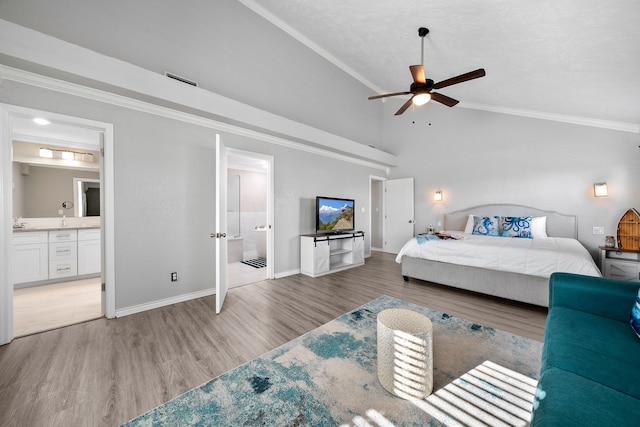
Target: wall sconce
[437, 196]
[600, 189]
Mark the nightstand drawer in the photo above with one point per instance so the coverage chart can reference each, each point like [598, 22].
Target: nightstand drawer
[630, 256]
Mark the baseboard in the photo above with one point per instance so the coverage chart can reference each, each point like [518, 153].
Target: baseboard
[287, 273]
[164, 302]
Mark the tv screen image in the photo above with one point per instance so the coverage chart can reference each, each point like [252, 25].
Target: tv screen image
[334, 214]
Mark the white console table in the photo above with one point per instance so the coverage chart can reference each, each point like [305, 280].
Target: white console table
[322, 254]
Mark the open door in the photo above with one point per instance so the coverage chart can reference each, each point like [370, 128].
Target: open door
[398, 213]
[221, 224]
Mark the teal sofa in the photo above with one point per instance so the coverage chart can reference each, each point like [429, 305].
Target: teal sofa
[590, 373]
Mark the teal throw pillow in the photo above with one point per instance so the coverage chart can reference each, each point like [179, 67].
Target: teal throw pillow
[516, 226]
[486, 226]
[635, 315]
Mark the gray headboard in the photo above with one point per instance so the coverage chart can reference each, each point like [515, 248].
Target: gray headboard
[558, 225]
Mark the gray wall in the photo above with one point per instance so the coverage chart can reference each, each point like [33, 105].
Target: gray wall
[478, 157]
[165, 197]
[224, 46]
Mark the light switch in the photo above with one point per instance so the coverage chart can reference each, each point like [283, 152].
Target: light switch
[598, 230]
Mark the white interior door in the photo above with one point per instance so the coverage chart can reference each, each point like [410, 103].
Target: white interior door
[221, 224]
[398, 218]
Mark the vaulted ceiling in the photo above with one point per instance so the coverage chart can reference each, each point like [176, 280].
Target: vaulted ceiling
[570, 57]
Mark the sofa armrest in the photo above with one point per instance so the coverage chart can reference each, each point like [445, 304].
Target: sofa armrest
[603, 297]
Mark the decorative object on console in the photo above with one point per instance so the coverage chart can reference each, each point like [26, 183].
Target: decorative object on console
[609, 241]
[629, 230]
[600, 189]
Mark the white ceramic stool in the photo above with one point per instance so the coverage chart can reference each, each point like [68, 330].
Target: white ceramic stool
[405, 353]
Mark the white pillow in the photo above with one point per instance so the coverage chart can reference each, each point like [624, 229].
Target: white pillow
[469, 227]
[539, 227]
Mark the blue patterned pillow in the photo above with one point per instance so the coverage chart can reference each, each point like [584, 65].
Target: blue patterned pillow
[635, 315]
[486, 226]
[516, 226]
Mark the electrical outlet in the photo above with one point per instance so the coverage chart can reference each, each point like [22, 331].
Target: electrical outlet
[598, 230]
[174, 276]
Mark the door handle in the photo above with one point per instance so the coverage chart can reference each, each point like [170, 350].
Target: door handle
[217, 235]
[410, 221]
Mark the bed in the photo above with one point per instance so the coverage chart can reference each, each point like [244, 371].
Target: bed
[513, 268]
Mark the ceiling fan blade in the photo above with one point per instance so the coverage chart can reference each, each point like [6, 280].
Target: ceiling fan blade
[444, 99]
[389, 94]
[417, 71]
[404, 107]
[461, 78]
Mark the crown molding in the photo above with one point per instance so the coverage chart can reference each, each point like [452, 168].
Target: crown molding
[564, 118]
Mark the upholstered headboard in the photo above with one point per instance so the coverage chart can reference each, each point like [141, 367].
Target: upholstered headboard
[558, 225]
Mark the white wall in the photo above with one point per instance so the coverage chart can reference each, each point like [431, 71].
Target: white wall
[478, 157]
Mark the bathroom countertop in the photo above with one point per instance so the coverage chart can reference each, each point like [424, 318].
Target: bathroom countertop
[59, 228]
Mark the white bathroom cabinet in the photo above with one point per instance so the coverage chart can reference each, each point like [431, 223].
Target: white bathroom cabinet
[30, 256]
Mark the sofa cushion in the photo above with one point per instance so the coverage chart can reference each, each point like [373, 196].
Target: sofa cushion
[598, 348]
[565, 399]
[635, 316]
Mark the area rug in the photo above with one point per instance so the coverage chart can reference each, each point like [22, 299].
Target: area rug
[328, 377]
[256, 262]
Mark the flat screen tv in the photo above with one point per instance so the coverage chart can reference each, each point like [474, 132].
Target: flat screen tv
[334, 215]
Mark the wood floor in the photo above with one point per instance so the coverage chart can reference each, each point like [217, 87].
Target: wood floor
[45, 307]
[105, 372]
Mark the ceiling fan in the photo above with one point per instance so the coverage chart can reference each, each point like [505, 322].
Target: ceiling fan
[421, 88]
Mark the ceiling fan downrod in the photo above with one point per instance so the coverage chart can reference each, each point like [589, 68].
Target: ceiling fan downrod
[422, 32]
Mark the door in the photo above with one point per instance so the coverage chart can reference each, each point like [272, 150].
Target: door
[221, 224]
[398, 218]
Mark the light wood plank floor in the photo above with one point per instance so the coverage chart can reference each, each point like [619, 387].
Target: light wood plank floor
[45, 307]
[105, 372]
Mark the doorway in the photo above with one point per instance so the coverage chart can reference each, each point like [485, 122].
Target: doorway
[249, 231]
[73, 260]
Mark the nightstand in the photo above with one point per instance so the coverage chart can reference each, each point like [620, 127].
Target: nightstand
[621, 264]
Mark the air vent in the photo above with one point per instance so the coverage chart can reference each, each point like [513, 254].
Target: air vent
[180, 79]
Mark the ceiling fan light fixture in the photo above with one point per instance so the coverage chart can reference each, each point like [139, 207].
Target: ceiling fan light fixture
[421, 98]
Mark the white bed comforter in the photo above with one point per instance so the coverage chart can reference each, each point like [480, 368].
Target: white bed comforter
[536, 257]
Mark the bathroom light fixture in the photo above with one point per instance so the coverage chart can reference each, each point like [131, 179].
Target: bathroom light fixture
[41, 121]
[438, 196]
[50, 153]
[600, 189]
[46, 153]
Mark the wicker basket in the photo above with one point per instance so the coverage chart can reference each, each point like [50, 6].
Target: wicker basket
[629, 230]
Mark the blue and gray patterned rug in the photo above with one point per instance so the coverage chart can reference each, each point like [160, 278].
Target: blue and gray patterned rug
[328, 377]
